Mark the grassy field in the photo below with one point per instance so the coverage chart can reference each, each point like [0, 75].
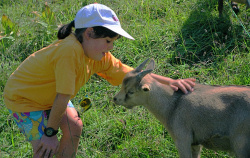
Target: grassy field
[185, 37]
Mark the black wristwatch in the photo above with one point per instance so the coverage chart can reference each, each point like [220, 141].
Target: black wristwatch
[49, 132]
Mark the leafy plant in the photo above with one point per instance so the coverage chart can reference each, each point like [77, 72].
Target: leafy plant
[10, 28]
[46, 18]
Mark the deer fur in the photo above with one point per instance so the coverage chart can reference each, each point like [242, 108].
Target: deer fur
[216, 117]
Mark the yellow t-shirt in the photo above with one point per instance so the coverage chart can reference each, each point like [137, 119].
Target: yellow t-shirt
[61, 67]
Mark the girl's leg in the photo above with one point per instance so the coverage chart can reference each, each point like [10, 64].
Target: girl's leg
[71, 126]
[31, 124]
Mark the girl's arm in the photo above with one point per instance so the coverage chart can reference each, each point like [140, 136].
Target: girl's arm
[49, 145]
[184, 84]
[58, 110]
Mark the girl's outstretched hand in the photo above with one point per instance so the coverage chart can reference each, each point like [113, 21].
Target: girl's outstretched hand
[186, 85]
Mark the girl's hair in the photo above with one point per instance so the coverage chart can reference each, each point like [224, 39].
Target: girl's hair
[100, 32]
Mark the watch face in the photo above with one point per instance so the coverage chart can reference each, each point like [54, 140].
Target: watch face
[49, 131]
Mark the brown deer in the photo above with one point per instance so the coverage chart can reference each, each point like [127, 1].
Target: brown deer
[216, 117]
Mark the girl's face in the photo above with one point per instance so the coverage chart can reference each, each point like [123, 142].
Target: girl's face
[96, 48]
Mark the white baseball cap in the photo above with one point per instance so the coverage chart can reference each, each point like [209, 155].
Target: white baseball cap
[99, 15]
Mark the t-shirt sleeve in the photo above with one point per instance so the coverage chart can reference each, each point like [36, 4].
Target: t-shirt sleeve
[113, 70]
[65, 72]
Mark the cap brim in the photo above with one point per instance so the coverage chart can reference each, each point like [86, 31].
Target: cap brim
[119, 31]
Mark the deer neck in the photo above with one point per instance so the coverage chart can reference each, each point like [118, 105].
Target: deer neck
[160, 101]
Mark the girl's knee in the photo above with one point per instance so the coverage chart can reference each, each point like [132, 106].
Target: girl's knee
[78, 126]
[71, 123]
[73, 127]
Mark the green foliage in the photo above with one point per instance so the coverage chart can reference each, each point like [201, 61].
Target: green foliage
[8, 25]
[48, 15]
[186, 39]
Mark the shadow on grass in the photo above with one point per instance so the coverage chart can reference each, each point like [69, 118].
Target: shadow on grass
[205, 37]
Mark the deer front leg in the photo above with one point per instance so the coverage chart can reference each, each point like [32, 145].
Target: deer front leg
[183, 142]
[184, 148]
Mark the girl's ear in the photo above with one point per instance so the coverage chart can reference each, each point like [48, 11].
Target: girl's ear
[89, 33]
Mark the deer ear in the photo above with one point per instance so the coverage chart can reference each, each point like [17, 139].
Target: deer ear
[140, 67]
[151, 65]
[140, 75]
[145, 88]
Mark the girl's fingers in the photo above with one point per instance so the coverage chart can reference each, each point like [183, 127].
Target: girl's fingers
[175, 88]
[37, 149]
[184, 85]
[53, 152]
[42, 152]
[48, 154]
[191, 81]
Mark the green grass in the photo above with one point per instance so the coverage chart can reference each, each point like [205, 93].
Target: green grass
[186, 39]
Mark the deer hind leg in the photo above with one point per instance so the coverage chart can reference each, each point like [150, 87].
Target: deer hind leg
[242, 146]
[240, 138]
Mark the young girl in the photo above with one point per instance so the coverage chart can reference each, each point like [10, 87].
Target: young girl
[38, 93]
